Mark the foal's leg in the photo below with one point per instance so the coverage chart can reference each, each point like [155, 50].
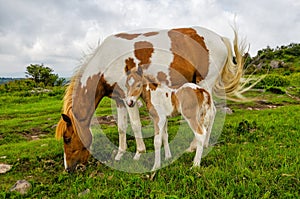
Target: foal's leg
[159, 128]
[200, 141]
[136, 126]
[200, 134]
[165, 138]
[193, 146]
[122, 127]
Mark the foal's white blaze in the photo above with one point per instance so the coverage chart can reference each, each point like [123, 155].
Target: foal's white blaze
[131, 81]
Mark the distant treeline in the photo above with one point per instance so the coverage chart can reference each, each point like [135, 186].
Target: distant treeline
[4, 80]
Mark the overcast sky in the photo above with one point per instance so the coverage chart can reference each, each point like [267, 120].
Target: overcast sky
[57, 33]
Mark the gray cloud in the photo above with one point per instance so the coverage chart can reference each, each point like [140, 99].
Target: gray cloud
[57, 33]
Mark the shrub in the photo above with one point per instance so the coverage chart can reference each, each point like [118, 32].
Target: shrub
[273, 80]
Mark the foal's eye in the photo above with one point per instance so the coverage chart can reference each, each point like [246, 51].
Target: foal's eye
[67, 140]
[139, 85]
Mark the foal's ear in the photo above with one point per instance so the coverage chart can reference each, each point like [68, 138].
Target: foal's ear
[127, 70]
[66, 119]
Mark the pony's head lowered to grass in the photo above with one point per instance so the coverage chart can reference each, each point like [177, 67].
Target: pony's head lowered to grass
[75, 152]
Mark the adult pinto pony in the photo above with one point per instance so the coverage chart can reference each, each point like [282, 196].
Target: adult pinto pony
[174, 56]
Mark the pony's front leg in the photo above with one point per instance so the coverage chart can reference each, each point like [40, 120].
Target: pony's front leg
[122, 127]
[136, 126]
[165, 139]
[212, 114]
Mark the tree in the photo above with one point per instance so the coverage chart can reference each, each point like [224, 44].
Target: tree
[41, 74]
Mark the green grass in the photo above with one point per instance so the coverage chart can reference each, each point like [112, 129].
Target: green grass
[22, 117]
[257, 156]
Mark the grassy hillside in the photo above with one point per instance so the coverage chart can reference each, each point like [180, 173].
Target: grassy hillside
[283, 60]
[257, 154]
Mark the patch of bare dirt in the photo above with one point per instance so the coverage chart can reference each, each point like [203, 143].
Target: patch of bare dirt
[111, 120]
[34, 134]
[260, 105]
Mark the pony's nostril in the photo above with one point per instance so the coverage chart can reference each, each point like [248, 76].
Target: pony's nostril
[68, 170]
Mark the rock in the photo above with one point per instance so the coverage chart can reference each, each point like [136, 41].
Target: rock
[277, 64]
[227, 110]
[35, 137]
[4, 167]
[85, 192]
[21, 186]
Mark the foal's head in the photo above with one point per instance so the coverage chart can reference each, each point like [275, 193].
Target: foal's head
[74, 150]
[134, 85]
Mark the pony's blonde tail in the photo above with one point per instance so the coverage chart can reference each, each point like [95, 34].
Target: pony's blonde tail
[228, 84]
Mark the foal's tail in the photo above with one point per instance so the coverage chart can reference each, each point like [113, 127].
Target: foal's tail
[229, 83]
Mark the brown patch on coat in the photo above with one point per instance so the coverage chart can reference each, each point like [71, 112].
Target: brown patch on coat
[118, 94]
[85, 100]
[175, 103]
[162, 77]
[143, 51]
[149, 34]
[88, 97]
[151, 82]
[200, 92]
[191, 102]
[191, 57]
[152, 111]
[79, 105]
[127, 36]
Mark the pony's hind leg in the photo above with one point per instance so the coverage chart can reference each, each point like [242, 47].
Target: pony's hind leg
[136, 126]
[211, 118]
[122, 127]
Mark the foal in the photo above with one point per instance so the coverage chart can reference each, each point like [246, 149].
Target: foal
[190, 100]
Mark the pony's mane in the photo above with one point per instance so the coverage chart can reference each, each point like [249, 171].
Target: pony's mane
[67, 107]
[68, 97]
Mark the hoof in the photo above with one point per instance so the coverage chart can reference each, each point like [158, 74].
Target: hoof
[137, 156]
[119, 155]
